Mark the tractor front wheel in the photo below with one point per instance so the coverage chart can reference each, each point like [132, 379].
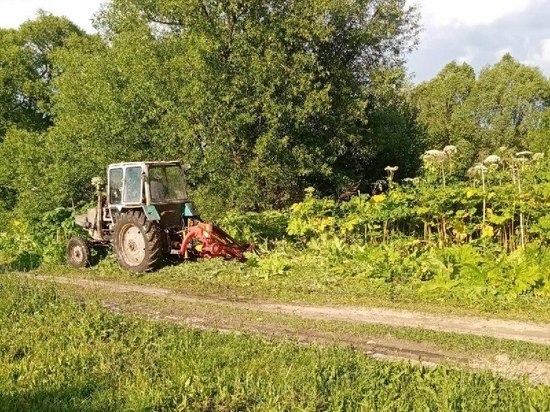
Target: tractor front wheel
[78, 253]
[137, 242]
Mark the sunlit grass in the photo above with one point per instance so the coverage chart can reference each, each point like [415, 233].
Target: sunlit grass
[60, 354]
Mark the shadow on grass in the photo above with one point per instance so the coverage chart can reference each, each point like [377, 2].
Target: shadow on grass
[84, 398]
[24, 262]
[99, 253]
[28, 261]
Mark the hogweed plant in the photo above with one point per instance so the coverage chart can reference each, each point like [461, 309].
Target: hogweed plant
[438, 160]
[481, 170]
[390, 170]
[451, 152]
[520, 161]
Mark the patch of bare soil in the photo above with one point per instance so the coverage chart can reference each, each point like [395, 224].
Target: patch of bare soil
[388, 347]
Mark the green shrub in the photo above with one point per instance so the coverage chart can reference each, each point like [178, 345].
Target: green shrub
[27, 243]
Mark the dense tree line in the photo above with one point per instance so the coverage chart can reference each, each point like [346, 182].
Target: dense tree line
[262, 98]
[506, 105]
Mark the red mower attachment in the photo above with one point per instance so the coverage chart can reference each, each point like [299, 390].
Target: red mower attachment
[206, 240]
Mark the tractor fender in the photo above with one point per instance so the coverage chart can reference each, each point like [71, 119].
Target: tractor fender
[151, 213]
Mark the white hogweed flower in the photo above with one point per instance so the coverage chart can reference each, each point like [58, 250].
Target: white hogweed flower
[492, 160]
[411, 181]
[477, 169]
[519, 160]
[391, 168]
[434, 156]
[97, 181]
[525, 153]
[538, 156]
[450, 150]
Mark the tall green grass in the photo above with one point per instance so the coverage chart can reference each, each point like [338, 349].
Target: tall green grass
[59, 354]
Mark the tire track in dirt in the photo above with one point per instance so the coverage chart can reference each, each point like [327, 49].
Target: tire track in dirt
[532, 332]
[387, 348]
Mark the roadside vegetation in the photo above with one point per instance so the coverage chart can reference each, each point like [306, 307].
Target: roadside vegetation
[477, 244]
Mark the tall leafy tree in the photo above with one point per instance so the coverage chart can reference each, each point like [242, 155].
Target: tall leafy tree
[27, 73]
[506, 105]
[262, 98]
[439, 101]
[538, 139]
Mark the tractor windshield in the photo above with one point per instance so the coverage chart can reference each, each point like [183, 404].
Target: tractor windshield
[167, 184]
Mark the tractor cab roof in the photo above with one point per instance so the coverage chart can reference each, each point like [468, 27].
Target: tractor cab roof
[146, 163]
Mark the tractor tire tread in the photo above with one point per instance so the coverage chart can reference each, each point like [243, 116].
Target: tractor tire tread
[152, 236]
[84, 258]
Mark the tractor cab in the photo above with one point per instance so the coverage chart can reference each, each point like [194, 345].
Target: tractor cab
[146, 183]
[159, 188]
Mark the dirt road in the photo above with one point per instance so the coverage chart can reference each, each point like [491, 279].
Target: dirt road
[385, 348]
[496, 328]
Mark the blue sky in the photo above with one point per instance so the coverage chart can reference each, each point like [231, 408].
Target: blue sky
[478, 32]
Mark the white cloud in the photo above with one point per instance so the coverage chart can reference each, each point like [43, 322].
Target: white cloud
[545, 50]
[441, 13]
[540, 56]
[468, 55]
[15, 12]
[480, 32]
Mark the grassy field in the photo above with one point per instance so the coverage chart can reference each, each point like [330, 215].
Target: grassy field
[63, 354]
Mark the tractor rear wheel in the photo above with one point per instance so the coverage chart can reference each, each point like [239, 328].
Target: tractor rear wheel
[78, 253]
[137, 242]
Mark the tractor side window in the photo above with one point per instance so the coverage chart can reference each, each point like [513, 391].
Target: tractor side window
[115, 186]
[176, 183]
[166, 183]
[157, 184]
[132, 189]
